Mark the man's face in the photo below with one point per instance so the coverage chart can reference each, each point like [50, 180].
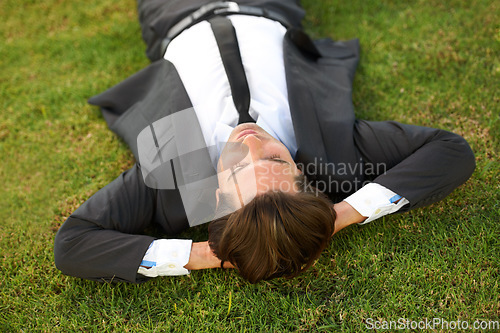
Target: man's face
[253, 162]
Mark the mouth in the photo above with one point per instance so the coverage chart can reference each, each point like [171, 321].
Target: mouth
[245, 133]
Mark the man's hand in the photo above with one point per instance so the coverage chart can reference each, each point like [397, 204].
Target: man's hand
[202, 257]
[346, 215]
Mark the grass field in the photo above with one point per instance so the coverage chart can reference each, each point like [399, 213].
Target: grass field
[432, 63]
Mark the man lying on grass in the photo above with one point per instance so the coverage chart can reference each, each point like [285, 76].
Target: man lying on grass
[303, 167]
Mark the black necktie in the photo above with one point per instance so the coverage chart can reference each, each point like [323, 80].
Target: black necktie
[225, 35]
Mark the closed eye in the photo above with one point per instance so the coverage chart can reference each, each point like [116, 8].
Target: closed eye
[240, 166]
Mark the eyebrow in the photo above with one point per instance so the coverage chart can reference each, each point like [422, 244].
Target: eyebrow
[276, 160]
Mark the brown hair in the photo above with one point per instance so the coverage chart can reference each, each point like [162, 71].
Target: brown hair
[276, 234]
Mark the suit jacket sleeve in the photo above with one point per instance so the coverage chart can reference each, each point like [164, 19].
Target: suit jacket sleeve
[100, 240]
[421, 164]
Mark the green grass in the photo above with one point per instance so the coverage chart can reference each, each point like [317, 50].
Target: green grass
[429, 63]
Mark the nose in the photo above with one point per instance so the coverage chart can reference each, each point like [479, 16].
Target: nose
[254, 145]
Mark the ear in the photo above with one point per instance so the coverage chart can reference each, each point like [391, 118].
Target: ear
[298, 167]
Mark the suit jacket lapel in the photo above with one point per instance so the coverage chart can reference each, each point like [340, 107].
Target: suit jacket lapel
[302, 106]
[319, 80]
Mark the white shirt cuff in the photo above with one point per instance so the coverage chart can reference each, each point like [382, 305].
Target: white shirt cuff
[374, 201]
[166, 257]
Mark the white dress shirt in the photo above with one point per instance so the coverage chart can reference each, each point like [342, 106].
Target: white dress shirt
[196, 57]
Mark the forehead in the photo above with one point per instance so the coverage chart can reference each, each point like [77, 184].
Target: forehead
[273, 174]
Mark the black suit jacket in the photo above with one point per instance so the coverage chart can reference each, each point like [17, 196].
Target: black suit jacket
[102, 239]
